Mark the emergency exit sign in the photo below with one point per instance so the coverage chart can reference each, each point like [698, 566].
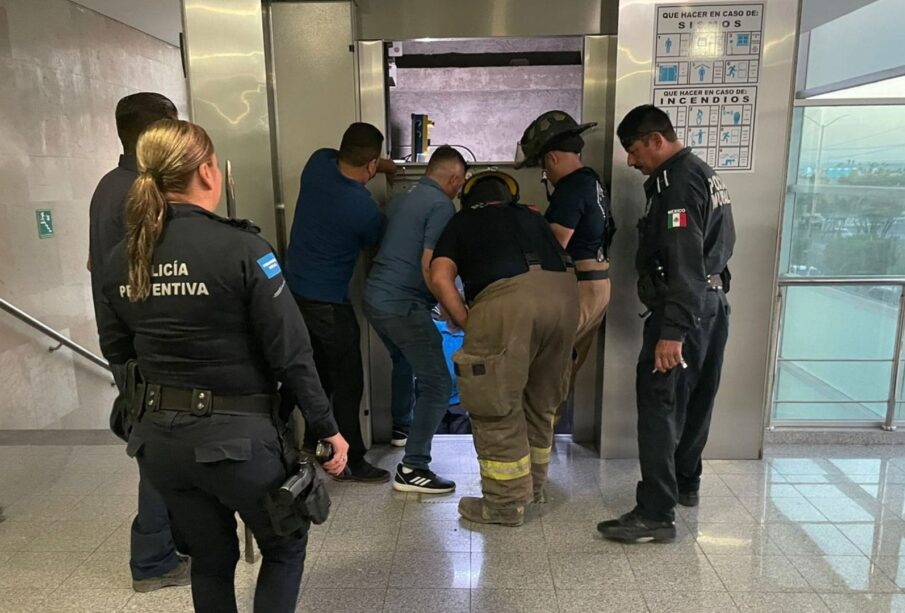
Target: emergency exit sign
[45, 223]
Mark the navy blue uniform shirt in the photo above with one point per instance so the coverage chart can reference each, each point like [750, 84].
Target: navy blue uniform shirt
[689, 231]
[219, 316]
[334, 218]
[106, 216]
[579, 203]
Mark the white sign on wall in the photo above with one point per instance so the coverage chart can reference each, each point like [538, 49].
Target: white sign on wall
[706, 68]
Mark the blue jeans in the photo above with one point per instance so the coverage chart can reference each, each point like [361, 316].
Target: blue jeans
[416, 347]
[153, 552]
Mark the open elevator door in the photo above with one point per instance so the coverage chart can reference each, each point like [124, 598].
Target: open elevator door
[589, 74]
[273, 85]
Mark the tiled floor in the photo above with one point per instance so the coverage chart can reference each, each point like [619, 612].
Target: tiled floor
[808, 529]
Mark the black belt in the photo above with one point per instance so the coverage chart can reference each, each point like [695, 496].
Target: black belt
[204, 402]
[592, 275]
[714, 283]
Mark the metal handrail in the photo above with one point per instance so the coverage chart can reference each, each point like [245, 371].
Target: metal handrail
[794, 281]
[803, 280]
[58, 337]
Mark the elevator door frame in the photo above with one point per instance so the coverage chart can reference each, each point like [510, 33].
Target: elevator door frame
[598, 96]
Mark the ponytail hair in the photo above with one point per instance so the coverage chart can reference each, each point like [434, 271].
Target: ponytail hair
[169, 153]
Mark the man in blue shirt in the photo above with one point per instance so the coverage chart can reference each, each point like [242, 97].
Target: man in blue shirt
[398, 303]
[335, 217]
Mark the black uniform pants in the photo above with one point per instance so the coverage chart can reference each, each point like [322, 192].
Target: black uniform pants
[208, 469]
[335, 338]
[674, 409]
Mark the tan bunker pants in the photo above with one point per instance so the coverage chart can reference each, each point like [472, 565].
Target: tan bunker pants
[513, 372]
[593, 300]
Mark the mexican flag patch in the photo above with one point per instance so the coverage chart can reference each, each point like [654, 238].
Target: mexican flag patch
[676, 219]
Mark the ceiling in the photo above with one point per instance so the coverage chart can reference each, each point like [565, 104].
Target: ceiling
[817, 12]
[163, 18]
[160, 18]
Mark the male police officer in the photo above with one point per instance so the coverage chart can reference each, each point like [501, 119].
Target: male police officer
[686, 239]
[513, 368]
[154, 561]
[579, 215]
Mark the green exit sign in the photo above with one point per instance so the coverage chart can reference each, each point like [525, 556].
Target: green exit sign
[45, 223]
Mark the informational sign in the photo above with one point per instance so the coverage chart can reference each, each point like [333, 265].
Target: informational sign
[45, 223]
[707, 60]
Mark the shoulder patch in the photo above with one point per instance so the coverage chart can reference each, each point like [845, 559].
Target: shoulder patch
[269, 265]
[676, 218]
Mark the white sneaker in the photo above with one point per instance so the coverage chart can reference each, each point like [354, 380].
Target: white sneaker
[399, 438]
[421, 481]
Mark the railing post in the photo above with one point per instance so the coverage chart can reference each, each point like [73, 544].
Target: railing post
[773, 369]
[896, 363]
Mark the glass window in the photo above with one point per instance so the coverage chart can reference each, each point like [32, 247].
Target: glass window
[845, 207]
[844, 218]
[857, 46]
[835, 353]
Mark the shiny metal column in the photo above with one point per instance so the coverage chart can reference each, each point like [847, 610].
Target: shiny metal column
[314, 83]
[738, 422]
[316, 94]
[598, 97]
[224, 53]
[372, 92]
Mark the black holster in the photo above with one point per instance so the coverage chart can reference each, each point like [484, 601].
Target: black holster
[726, 278]
[301, 499]
[127, 407]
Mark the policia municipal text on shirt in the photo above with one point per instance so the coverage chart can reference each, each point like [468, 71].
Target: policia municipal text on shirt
[209, 434]
[686, 238]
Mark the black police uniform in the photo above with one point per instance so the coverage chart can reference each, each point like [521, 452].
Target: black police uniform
[216, 336]
[686, 240]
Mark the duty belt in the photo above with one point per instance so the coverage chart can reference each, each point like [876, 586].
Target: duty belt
[202, 402]
[714, 283]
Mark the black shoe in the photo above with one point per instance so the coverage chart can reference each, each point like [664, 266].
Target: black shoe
[364, 472]
[689, 499]
[631, 528]
[400, 437]
[421, 481]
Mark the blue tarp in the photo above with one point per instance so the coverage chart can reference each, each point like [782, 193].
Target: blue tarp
[452, 342]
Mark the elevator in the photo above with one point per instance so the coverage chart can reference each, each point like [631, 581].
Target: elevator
[272, 81]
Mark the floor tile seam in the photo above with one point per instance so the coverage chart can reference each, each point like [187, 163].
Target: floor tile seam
[824, 598]
[814, 588]
[713, 568]
[644, 601]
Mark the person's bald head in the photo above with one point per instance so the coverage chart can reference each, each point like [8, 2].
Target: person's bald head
[447, 167]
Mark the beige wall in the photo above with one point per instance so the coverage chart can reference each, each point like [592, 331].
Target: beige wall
[62, 69]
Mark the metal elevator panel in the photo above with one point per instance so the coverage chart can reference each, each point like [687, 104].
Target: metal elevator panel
[323, 74]
[407, 19]
[224, 57]
[737, 429]
[598, 95]
[314, 83]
